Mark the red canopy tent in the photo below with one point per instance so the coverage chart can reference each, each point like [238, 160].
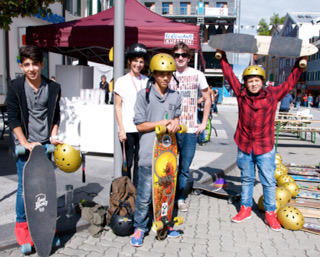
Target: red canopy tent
[92, 37]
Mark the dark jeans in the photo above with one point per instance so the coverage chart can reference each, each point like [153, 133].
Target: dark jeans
[132, 155]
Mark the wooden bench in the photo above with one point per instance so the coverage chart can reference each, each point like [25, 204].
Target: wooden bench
[296, 126]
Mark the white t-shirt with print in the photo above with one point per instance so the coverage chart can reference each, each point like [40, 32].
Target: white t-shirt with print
[127, 88]
[191, 81]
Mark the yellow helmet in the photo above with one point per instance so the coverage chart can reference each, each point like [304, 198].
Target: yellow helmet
[292, 187]
[67, 158]
[283, 195]
[261, 206]
[284, 179]
[290, 217]
[162, 62]
[254, 70]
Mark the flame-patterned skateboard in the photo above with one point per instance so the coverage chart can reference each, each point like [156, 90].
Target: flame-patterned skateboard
[164, 180]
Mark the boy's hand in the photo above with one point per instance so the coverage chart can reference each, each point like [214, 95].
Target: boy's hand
[200, 128]
[56, 142]
[122, 136]
[30, 146]
[173, 126]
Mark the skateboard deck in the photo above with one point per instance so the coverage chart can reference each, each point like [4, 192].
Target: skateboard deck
[309, 188]
[164, 180]
[303, 172]
[231, 195]
[310, 213]
[304, 169]
[311, 228]
[306, 178]
[262, 45]
[289, 165]
[40, 199]
[310, 195]
[304, 203]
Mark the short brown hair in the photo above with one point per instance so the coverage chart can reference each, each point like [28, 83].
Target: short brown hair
[183, 46]
[32, 52]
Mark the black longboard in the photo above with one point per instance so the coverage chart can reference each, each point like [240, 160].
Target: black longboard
[40, 200]
[231, 195]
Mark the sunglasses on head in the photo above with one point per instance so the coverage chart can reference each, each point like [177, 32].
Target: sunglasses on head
[177, 55]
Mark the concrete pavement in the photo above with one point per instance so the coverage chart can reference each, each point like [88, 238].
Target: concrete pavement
[207, 230]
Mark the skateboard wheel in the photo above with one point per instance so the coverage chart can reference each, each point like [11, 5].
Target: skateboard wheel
[56, 242]
[230, 200]
[218, 56]
[20, 150]
[26, 248]
[178, 220]
[197, 192]
[160, 129]
[157, 225]
[49, 148]
[302, 63]
[183, 129]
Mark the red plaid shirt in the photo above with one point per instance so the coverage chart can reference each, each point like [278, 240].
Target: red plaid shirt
[255, 130]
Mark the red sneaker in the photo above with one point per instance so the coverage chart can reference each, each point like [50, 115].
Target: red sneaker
[271, 220]
[244, 214]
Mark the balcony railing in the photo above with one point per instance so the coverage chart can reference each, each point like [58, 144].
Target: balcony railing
[209, 11]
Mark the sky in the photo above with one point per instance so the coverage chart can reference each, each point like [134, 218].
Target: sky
[252, 11]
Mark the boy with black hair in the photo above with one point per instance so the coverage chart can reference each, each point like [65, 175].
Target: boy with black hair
[255, 134]
[157, 105]
[33, 115]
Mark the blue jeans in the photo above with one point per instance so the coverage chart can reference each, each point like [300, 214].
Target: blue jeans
[266, 167]
[144, 198]
[187, 148]
[20, 211]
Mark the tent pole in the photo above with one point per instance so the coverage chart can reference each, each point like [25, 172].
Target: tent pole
[196, 60]
[118, 71]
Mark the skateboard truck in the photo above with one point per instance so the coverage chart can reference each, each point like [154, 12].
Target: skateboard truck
[162, 225]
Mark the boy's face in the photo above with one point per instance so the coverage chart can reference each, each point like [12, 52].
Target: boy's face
[136, 65]
[32, 69]
[254, 84]
[181, 58]
[162, 78]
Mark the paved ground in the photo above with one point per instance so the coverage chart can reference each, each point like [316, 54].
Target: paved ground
[207, 230]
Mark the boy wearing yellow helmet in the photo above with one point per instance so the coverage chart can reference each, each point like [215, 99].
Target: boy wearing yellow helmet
[255, 134]
[157, 105]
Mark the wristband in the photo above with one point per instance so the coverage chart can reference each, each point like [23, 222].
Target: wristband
[53, 137]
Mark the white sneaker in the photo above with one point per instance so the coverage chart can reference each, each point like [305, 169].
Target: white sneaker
[182, 206]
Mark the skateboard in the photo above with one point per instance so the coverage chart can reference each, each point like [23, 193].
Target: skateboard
[311, 228]
[310, 213]
[303, 172]
[303, 169]
[306, 178]
[164, 180]
[231, 195]
[289, 165]
[309, 188]
[304, 203]
[40, 200]
[310, 195]
[263, 45]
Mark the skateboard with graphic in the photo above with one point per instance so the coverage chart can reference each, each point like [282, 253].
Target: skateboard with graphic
[310, 213]
[40, 200]
[294, 165]
[262, 45]
[164, 180]
[308, 194]
[232, 196]
[308, 187]
[306, 178]
[303, 172]
[311, 228]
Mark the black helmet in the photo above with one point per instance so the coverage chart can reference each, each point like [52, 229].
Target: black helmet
[122, 225]
[138, 50]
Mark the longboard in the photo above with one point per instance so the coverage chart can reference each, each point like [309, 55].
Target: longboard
[306, 178]
[231, 195]
[304, 203]
[311, 228]
[262, 45]
[309, 188]
[301, 166]
[310, 195]
[310, 213]
[40, 200]
[164, 180]
[303, 173]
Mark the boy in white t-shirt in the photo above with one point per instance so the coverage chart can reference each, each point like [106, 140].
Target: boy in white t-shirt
[126, 89]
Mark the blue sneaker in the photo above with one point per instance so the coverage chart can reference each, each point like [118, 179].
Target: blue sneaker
[172, 233]
[137, 238]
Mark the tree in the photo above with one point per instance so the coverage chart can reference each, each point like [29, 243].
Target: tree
[263, 28]
[14, 8]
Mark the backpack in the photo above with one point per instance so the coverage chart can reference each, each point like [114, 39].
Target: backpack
[122, 198]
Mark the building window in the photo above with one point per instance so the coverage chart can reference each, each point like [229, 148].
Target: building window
[183, 8]
[151, 6]
[222, 5]
[165, 8]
